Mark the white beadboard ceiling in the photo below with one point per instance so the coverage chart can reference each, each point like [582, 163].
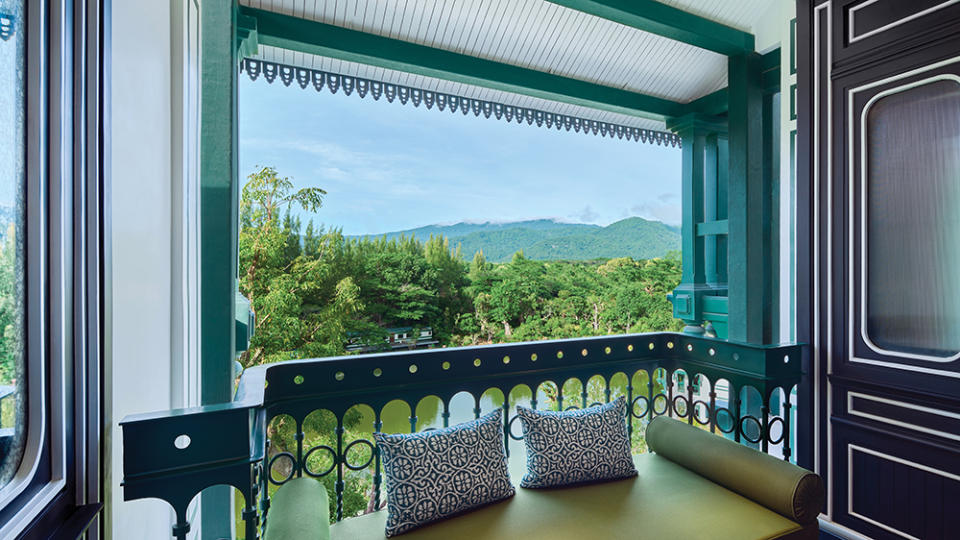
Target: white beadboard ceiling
[533, 34]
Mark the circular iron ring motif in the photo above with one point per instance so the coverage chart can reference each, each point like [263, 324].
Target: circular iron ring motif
[293, 463]
[346, 455]
[706, 408]
[572, 408]
[686, 405]
[595, 404]
[733, 420]
[633, 406]
[666, 404]
[333, 461]
[770, 425]
[743, 432]
[510, 429]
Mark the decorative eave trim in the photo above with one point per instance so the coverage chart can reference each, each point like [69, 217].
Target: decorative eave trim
[335, 82]
[6, 26]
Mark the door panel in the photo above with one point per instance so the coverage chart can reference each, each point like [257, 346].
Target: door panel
[900, 226]
[886, 235]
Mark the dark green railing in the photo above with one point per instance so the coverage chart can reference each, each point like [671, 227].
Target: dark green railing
[174, 455]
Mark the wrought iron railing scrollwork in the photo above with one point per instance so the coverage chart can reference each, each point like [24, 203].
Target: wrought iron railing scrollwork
[271, 431]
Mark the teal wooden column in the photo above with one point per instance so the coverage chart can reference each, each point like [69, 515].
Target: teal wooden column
[698, 134]
[748, 208]
[218, 229]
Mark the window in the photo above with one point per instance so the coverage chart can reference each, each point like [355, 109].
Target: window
[13, 387]
[912, 219]
[50, 267]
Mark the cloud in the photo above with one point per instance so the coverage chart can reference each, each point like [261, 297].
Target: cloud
[667, 213]
[587, 215]
[668, 197]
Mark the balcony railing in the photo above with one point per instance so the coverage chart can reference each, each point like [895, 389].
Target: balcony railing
[741, 391]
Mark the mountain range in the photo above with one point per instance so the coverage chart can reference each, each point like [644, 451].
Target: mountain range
[546, 239]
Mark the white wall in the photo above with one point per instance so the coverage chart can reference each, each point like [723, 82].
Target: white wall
[151, 364]
[772, 31]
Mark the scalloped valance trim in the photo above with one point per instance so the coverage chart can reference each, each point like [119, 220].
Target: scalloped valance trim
[335, 82]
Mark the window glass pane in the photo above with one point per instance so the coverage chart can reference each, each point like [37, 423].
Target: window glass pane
[12, 180]
[913, 220]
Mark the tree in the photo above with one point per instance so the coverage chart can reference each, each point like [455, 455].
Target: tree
[267, 251]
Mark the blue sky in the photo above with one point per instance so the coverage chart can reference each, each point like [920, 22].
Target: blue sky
[388, 166]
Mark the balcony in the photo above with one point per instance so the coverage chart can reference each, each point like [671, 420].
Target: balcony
[736, 390]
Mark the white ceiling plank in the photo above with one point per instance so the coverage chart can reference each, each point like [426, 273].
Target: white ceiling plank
[540, 35]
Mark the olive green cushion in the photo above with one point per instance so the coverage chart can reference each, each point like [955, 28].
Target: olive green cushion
[781, 486]
[298, 511]
[665, 501]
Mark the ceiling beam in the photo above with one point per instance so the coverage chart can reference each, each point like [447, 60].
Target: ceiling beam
[669, 22]
[303, 35]
[710, 104]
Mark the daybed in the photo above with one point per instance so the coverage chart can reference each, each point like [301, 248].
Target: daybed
[693, 485]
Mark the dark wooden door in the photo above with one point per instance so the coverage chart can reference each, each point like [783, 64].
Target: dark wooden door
[886, 178]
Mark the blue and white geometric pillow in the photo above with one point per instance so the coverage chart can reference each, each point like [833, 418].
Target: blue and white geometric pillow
[576, 446]
[437, 474]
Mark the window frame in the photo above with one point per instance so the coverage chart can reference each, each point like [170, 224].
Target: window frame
[56, 489]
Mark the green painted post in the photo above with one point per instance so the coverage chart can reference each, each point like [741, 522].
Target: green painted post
[710, 171]
[723, 175]
[694, 131]
[218, 229]
[771, 187]
[747, 217]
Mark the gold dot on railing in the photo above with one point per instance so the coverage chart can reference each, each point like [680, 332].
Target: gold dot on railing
[339, 376]
[650, 346]
[445, 365]
[669, 344]
[559, 354]
[606, 350]
[266, 384]
[413, 368]
[298, 379]
[506, 359]
[583, 352]
[377, 372]
[533, 357]
[712, 352]
[477, 362]
[630, 348]
[689, 347]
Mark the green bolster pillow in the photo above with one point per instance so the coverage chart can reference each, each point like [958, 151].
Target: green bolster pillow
[299, 510]
[781, 486]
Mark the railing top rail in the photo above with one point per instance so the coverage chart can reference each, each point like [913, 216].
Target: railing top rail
[263, 385]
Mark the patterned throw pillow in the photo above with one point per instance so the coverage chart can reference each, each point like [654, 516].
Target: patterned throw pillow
[436, 474]
[577, 446]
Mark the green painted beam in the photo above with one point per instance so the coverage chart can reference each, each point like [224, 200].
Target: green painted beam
[669, 22]
[712, 228]
[710, 104]
[296, 34]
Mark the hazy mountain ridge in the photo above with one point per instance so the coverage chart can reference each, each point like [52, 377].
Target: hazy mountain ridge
[548, 239]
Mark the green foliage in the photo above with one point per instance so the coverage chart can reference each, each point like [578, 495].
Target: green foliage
[312, 293]
[11, 312]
